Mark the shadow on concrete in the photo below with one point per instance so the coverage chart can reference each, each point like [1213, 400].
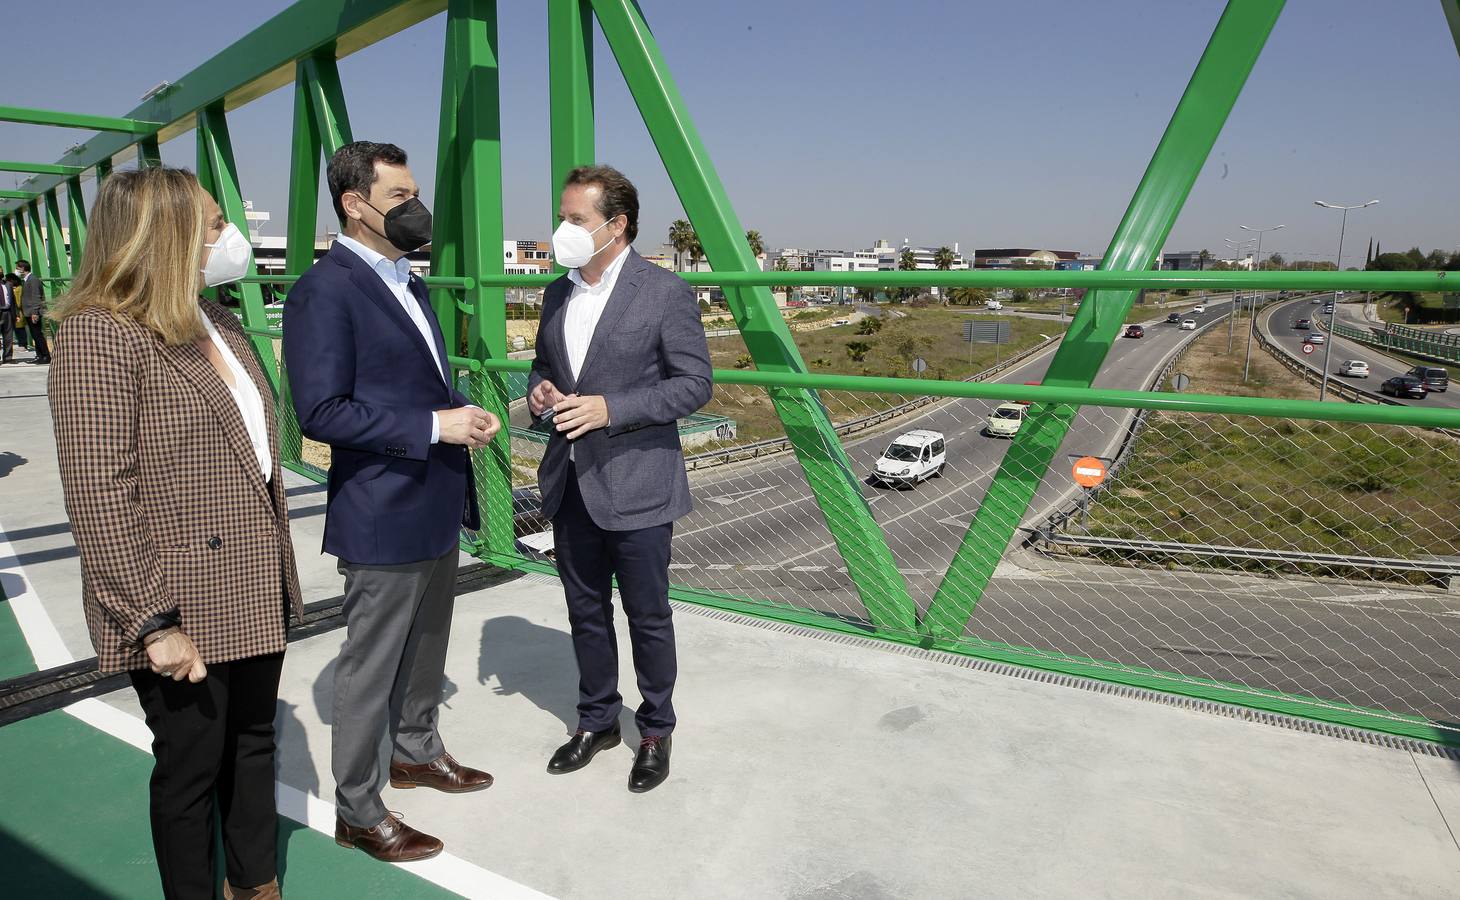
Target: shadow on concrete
[10, 461]
[533, 661]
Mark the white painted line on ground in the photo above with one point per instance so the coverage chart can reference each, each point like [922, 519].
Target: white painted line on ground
[447, 871]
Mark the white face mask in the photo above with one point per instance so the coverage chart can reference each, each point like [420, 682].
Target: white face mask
[229, 258]
[573, 245]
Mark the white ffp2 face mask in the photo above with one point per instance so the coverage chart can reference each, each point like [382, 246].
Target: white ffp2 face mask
[573, 245]
[229, 257]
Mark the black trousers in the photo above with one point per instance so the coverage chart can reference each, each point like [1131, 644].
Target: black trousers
[588, 559]
[38, 337]
[214, 745]
[7, 333]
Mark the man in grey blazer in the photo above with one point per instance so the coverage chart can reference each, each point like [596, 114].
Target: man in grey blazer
[33, 301]
[621, 357]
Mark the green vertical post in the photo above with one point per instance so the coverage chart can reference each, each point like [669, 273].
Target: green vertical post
[321, 127]
[9, 252]
[76, 219]
[149, 152]
[219, 175]
[60, 263]
[1214, 87]
[103, 169]
[38, 261]
[468, 236]
[835, 486]
[570, 93]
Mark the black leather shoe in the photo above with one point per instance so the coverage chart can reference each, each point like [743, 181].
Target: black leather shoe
[581, 748]
[651, 766]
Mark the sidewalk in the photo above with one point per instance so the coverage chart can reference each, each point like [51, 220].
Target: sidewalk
[805, 767]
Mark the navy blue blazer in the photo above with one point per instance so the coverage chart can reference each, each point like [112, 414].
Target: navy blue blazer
[364, 382]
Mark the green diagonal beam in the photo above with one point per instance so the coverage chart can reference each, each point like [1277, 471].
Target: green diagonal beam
[1452, 16]
[321, 127]
[76, 220]
[56, 241]
[58, 119]
[829, 473]
[17, 195]
[468, 236]
[219, 174]
[39, 168]
[1214, 87]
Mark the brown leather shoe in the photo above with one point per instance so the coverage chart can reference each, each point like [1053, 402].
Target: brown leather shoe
[268, 891]
[442, 773]
[389, 840]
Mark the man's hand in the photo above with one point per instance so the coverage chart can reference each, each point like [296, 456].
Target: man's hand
[174, 656]
[469, 426]
[544, 395]
[579, 415]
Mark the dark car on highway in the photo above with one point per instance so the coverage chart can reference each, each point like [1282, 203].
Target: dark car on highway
[1302, 323]
[1173, 318]
[1434, 377]
[1135, 331]
[1405, 386]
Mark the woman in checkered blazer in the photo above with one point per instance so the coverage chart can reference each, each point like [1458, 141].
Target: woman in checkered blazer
[169, 459]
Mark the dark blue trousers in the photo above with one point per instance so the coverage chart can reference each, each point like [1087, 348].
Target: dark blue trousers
[588, 559]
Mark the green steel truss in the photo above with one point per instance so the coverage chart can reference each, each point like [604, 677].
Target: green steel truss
[301, 45]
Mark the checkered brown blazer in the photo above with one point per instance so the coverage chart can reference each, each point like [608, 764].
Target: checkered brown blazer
[167, 505]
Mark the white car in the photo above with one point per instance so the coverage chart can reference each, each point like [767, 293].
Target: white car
[1006, 419]
[1199, 308]
[1354, 368]
[842, 322]
[1188, 324]
[993, 304]
[913, 456]
[1314, 337]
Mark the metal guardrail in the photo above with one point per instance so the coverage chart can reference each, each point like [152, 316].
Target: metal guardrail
[1391, 339]
[1441, 570]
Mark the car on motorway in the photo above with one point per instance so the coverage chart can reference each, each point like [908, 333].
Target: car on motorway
[1173, 318]
[1188, 324]
[1353, 368]
[1134, 331]
[1435, 378]
[1327, 309]
[993, 304]
[1316, 300]
[912, 457]
[1314, 337]
[1303, 323]
[1199, 308]
[842, 322]
[1405, 386]
[1005, 420]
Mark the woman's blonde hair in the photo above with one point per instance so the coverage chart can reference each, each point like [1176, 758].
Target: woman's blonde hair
[143, 247]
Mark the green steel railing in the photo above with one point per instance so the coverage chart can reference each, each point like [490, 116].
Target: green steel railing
[301, 46]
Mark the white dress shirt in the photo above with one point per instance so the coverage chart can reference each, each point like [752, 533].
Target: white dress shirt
[585, 308]
[246, 396]
[397, 277]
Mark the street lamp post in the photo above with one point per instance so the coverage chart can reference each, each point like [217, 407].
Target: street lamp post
[1337, 267]
[1252, 320]
[1236, 295]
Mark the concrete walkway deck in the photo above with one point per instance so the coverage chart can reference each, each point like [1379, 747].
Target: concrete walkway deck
[804, 766]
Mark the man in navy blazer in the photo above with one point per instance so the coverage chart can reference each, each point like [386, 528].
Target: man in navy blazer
[370, 376]
[621, 357]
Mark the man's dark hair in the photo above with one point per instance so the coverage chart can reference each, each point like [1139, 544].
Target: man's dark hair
[11, 280]
[352, 169]
[23, 264]
[617, 195]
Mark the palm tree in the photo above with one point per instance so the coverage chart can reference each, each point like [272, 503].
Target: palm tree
[757, 246]
[681, 235]
[943, 258]
[696, 251]
[906, 261]
[1202, 257]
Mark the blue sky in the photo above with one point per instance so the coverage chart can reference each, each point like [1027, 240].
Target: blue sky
[835, 124]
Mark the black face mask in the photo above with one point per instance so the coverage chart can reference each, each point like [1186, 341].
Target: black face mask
[407, 226]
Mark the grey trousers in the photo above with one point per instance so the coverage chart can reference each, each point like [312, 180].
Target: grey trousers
[389, 677]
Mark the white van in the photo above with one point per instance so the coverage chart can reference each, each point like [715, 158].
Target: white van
[913, 456]
[993, 304]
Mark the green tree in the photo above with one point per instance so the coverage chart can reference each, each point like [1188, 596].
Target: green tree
[1275, 261]
[681, 235]
[757, 246]
[857, 350]
[1436, 260]
[943, 258]
[1416, 257]
[968, 296]
[869, 325]
[781, 265]
[1393, 262]
[1202, 257]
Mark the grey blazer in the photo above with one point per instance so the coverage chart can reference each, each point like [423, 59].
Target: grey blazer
[649, 360]
[32, 296]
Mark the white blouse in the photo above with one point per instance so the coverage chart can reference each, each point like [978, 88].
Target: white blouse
[250, 405]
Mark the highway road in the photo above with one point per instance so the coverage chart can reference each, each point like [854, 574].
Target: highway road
[1282, 327]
